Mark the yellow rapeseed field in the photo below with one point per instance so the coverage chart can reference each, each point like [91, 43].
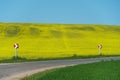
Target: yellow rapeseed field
[58, 40]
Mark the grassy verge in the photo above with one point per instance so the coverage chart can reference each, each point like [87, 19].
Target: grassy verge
[108, 70]
[21, 59]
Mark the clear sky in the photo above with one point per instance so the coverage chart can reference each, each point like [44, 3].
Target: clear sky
[61, 11]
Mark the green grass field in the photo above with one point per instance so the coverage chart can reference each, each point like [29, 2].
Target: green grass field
[57, 40]
[109, 70]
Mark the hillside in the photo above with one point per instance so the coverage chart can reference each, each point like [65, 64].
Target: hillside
[58, 40]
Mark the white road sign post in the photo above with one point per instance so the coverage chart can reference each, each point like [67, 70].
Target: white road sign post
[99, 49]
[16, 46]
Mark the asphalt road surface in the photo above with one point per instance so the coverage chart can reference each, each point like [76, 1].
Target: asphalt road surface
[16, 71]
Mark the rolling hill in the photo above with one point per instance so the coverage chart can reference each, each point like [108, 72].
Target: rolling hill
[58, 40]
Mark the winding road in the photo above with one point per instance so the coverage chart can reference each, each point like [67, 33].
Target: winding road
[16, 71]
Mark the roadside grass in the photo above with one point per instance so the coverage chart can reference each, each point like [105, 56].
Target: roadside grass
[22, 59]
[104, 70]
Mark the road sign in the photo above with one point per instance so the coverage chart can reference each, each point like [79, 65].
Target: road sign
[99, 46]
[99, 49]
[16, 46]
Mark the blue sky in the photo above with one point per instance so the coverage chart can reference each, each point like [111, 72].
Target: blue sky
[61, 11]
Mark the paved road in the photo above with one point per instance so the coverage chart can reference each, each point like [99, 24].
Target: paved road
[15, 71]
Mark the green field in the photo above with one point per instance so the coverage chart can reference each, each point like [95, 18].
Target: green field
[58, 40]
[109, 70]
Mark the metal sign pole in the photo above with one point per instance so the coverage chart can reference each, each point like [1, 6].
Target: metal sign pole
[16, 54]
[16, 46]
[99, 50]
